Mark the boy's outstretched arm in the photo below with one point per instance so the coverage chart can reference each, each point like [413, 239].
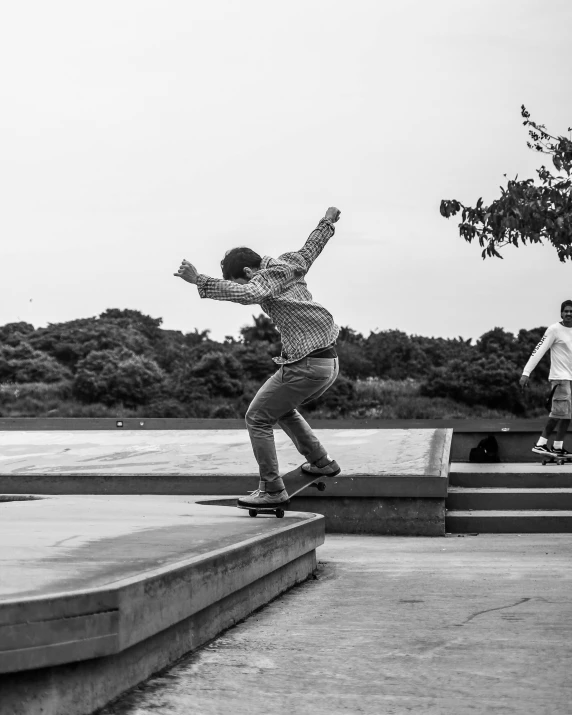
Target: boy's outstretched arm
[316, 240]
[249, 293]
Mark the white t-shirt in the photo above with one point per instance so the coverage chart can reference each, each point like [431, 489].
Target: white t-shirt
[558, 340]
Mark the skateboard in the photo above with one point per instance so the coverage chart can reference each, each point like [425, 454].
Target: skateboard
[316, 483]
[556, 460]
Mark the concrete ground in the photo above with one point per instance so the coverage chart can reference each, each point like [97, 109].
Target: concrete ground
[472, 624]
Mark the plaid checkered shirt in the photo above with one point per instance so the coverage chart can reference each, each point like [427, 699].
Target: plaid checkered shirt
[281, 291]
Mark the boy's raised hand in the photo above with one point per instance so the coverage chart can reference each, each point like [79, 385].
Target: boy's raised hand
[187, 272]
[333, 214]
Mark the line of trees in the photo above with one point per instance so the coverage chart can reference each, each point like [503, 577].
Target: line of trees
[124, 361]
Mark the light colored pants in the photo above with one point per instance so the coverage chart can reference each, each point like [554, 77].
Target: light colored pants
[561, 400]
[276, 402]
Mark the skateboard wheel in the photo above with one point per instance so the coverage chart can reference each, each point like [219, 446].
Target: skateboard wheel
[543, 462]
[321, 486]
[252, 512]
[279, 513]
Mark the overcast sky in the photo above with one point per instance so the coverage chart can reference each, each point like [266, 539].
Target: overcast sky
[136, 133]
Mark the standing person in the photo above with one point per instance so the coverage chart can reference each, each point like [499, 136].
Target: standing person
[557, 338]
[308, 364]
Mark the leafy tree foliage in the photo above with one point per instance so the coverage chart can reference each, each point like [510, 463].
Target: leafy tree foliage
[488, 374]
[351, 349]
[338, 399]
[71, 342]
[124, 360]
[24, 364]
[488, 380]
[256, 361]
[220, 373]
[263, 331]
[15, 333]
[133, 319]
[526, 211]
[110, 376]
[396, 355]
[517, 349]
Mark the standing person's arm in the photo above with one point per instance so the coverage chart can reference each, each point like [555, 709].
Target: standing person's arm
[315, 242]
[539, 352]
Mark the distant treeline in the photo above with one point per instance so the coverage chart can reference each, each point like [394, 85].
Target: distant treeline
[124, 363]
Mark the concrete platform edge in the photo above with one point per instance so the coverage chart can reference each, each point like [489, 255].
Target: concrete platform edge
[60, 628]
[84, 687]
[380, 486]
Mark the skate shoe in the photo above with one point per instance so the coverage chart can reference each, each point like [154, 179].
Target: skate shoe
[543, 449]
[260, 500]
[561, 453]
[329, 470]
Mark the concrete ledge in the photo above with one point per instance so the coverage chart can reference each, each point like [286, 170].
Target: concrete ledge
[80, 688]
[388, 516]
[511, 475]
[387, 474]
[515, 442]
[369, 515]
[509, 522]
[415, 486]
[115, 610]
[508, 499]
[375, 463]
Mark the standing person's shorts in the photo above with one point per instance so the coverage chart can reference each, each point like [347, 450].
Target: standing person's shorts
[561, 399]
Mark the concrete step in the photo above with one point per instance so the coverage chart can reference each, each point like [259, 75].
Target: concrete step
[468, 499]
[510, 475]
[531, 521]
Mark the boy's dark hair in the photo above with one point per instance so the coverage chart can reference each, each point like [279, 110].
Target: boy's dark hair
[236, 260]
[566, 302]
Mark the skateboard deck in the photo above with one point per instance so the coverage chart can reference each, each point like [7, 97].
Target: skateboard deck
[294, 478]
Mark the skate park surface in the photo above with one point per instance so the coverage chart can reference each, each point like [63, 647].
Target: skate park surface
[393, 625]
[393, 481]
[216, 456]
[390, 624]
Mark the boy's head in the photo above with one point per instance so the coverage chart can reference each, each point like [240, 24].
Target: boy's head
[240, 264]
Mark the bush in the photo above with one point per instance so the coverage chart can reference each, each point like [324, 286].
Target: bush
[111, 376]
[73, 341]
[256, 361]
[166, 408]
[24, 364]
[219, 373]
[15, 333]
[354, 363]
[224, 412]
[491, 380]
[337, 400]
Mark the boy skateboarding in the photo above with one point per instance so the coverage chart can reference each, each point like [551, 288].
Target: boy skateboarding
[557, 339]
[308, 363]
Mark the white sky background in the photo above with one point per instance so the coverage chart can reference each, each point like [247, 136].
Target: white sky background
[136, 133]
